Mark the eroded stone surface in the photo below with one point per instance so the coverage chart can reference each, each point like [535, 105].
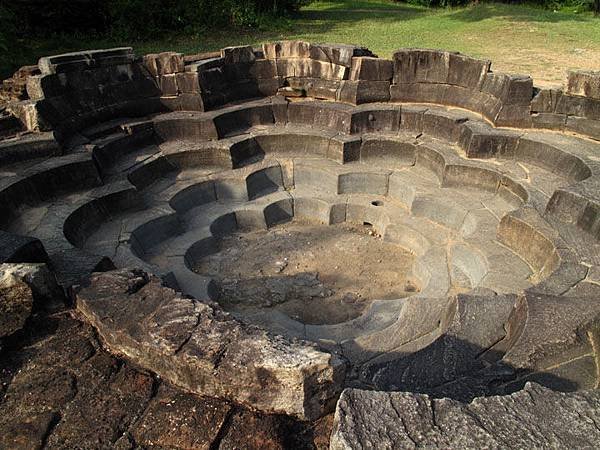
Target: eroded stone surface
[533, 417]
[60, 389]
[196, 345]
[16, 303]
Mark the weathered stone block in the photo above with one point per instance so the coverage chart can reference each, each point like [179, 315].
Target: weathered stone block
[465, 71]
[549, 120]
[511, 89]
[42, 86]
[546, 100]
[168, 84]
[78, 61]
[164, 63]
[371, 69]
[188, 82]
[420, 66]
[320, 114]
[443, 124]
[190, 102]
[234, 55]
[32, 114]
[412, 118]
[584, 83]
[344, 149]
[316, 87]
[286, 49]
[418, 92]
[341, 54]
[584, 126]
[377, 119]
[197, 346]
[514, 116]
[479, 140]
[579, 106]
[269, 86]
[407, 420]
[358, 92]
[309, 68]
[263, 68]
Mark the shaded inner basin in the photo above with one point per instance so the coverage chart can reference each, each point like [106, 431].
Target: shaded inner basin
[315, 274]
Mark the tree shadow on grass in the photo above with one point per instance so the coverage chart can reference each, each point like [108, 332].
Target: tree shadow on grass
[481, 12]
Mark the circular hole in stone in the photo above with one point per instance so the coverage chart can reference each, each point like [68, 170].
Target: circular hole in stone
[313, 273]
[377, 203]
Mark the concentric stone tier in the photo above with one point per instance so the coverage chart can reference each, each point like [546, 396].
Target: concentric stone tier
[152, 164]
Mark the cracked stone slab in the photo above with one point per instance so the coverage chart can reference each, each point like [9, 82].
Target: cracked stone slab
[534, 417]
[197, 346]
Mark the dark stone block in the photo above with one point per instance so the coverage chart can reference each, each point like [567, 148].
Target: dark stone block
[584, 126]
[479, 140]
[242, 118]
[234, 55]
[465, 71]
[371, 69]
[286, 49]
[412, 118]
[443, 124]
[21, 249]
[549, 121]
[546, 100]
[315, 87]
[188, 82]
[358, 92]
[420, 66]
[418, 92]
[320, 114]
[263, 68]
[384, 119]
[168, 85]
[44, 86]
[269, 87]
[340, 54]
[579, 106]
[190, 102]
[514, 116]
[344, 149]
[77, 61]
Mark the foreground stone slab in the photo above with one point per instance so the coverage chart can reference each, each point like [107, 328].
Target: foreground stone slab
[197, 346]
[535, 417]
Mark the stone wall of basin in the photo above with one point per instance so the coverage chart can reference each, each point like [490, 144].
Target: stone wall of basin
[77, 90]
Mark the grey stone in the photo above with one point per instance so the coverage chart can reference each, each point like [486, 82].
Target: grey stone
[534, 417]
[195, 345]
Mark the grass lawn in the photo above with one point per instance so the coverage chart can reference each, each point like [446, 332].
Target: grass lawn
[516, 38]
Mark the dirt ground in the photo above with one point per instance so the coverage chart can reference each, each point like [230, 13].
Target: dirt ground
[316, 274]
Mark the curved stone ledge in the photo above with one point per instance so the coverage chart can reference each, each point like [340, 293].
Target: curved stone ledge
[197, 346]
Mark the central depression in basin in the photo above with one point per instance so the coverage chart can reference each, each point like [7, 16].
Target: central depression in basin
[315, 274]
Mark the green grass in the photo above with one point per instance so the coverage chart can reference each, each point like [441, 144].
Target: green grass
[515, 37]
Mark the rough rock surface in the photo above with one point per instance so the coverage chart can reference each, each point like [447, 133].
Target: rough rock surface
[16, 303]
[60, 389]
[23, 286]
[534, 417]
[199, 347]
